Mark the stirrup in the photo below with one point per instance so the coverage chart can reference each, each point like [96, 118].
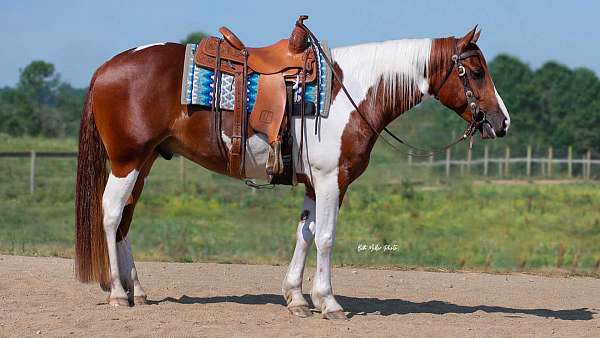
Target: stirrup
[275, 162]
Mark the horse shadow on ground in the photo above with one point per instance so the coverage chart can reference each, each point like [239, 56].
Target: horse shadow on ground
[357, 306]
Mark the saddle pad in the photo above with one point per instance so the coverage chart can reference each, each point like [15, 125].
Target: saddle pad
[326, 78]
[197, 85]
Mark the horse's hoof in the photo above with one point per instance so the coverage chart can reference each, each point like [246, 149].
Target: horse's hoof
[139, 300]
[335, 315]
[301, 311]
[118, 301]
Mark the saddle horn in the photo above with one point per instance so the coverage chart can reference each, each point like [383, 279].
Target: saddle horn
[298, 41]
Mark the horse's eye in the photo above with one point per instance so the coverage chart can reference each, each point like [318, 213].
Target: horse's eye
[477, 73]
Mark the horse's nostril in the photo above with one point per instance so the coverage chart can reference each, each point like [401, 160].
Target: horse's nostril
[504, 124]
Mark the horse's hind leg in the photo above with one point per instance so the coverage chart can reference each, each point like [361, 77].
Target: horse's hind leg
[127, 269]
[128, 272]
[116, 194]
[292, 285]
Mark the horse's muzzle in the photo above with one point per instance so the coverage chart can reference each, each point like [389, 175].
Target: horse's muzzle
[487, 131]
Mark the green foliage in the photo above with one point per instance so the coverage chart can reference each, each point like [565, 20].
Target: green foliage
[551, 106]
[40, 104]
[215, 218]
[194, 37]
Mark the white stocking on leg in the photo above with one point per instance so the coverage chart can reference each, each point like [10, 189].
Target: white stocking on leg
[327, 207]
[115, 197]
[292, 285]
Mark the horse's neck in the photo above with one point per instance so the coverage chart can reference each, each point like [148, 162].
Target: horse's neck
[386, 78]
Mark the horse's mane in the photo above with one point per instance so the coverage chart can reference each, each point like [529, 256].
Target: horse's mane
[395, 69]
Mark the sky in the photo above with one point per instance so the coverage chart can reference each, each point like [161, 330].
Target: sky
[77, 36]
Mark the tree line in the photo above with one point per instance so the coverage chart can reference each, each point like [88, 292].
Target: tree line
[40, 104]
[552, 106]
[549, 106]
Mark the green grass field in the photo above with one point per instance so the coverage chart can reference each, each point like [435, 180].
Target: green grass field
[455, 224]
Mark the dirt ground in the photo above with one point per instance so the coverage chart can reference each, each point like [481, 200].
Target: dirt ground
[39, 297]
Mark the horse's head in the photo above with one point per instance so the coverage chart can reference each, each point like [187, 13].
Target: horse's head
[460, 80]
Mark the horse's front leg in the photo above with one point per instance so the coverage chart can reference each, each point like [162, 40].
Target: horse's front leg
[327, 206]
[292, 285]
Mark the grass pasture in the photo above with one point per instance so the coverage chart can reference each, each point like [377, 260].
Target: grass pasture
[390, 217]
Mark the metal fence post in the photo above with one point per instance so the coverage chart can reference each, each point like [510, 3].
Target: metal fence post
[32, 173]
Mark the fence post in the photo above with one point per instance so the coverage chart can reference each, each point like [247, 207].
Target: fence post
[583, 168]
[182, 172]
[32, 173]
[588, 160]
[550, 151]
[528, 161]
[447, 162]
[485, 160]
[431, 168]
[469, 155]
[409, 160]
[570, 162]
[507, 162]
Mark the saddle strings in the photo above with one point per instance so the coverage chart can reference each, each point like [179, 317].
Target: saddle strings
[216, 107]
[415, 151]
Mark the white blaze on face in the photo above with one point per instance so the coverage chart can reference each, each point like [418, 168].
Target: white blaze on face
[503, 108]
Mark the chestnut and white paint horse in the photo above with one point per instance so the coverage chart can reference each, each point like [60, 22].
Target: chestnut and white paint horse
[132, 113]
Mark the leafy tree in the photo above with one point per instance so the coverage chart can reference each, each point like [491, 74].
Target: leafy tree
[40, 104]
[512, 79]
[194, 37]
[550, 106]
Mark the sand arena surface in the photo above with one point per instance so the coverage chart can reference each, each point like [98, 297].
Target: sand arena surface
[40, 297]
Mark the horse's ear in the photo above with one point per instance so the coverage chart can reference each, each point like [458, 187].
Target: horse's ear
[468, 38]
[476, 36]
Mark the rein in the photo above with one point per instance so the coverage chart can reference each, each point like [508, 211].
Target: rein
[477, 118]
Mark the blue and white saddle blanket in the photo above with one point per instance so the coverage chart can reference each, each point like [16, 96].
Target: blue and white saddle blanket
[198, 83]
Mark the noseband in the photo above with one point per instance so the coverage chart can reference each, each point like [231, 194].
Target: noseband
[478, 116]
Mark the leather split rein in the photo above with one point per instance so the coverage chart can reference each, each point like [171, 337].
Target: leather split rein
[478, 116]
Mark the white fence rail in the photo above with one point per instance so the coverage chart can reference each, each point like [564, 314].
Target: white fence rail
[548, 165]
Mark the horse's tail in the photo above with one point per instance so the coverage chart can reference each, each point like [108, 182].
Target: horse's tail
[91, 256]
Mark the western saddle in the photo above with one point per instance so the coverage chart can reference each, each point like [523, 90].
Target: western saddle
[281, 66]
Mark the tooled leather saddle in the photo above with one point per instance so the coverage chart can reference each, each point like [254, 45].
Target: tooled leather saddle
[281, 66]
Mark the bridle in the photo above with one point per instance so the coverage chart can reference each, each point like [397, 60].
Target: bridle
[478, 116]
